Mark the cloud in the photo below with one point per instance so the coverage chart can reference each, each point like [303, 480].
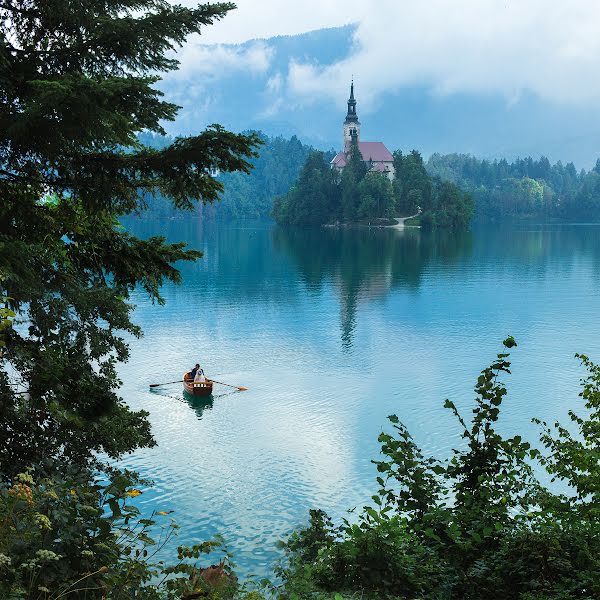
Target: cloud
[198, 60]
[507, 69]
[465, 46]
[268, 18]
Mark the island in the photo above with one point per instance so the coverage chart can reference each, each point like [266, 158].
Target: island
[365, 183]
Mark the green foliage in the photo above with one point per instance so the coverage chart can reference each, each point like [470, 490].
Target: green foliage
[523, 188]
[575, 459]
[376, 197]
[476, 525]
[362, 195]
[246, 195]
[313, 198]
[6, 318]
[77, 89]
[352, 176]
[415, 189]
[69, 536]
[451, 208]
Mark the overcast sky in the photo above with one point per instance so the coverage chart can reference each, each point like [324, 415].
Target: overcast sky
[267, 18]
[548, 47]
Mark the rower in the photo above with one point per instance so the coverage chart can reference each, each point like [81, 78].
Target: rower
[192, 373]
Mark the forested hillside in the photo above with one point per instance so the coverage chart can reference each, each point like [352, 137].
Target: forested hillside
[245, 196]
[523, 188]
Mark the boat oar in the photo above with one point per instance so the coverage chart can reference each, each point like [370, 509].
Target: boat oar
[168, 383]
[237, 387]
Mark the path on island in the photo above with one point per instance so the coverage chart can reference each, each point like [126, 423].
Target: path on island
[400, 223]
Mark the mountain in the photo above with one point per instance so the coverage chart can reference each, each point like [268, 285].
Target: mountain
[247, 86]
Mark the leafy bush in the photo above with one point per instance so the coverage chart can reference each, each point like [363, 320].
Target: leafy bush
[71, 537]
[477, 525]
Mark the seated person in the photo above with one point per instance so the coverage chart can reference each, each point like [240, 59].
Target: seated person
[199, 376]
[192, 373]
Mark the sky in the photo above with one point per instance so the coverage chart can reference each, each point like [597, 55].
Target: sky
[545, 47]
[490, 77]
[260, 19]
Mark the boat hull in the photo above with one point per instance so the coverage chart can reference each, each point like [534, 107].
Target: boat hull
[198, 388]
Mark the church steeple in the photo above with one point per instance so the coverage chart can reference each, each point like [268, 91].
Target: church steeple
[351, 116]
[351, 123]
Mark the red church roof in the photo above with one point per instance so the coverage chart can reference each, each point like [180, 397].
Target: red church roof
[339, 160]
[375, 151]
[381, 167]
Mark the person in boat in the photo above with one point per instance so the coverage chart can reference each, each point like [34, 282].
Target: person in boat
[199, 376]
[192, 374]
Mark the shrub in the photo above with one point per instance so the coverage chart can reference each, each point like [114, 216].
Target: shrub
[478, 525]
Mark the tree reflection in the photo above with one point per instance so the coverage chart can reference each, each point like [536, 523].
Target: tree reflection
[366, 264]
[258, 265]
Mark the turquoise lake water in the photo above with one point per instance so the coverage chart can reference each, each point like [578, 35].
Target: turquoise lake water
[331, 331]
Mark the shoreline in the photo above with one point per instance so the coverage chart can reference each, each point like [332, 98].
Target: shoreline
[399, 224]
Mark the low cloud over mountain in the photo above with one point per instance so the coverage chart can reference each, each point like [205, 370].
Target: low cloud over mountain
[492, 78]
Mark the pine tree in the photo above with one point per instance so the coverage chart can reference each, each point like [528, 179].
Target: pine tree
[352, 175]
[76, 90]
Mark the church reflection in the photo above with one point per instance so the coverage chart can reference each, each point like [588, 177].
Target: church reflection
[255, 265]
[366, 264]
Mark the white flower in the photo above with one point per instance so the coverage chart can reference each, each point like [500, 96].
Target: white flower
[5, 561]
[47, 555]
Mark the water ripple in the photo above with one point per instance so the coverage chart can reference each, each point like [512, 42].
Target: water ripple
[332, 332]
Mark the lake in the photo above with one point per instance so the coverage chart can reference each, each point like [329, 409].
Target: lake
[331, 331]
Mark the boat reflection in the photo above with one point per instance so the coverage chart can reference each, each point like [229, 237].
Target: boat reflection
[199, 404]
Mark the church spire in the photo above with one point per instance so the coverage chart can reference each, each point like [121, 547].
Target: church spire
[351, 116]
[351, 124]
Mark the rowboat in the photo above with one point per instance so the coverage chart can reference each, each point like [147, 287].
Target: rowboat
[197, 388]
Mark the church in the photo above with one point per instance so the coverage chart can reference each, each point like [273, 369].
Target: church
[374, 154]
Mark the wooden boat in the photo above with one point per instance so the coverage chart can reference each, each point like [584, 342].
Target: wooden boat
[197, 388]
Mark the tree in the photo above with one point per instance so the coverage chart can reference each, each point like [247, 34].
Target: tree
[313, 199]
[76, 89]
[476, 525]
[376, 196]
[352, 175]
[523, 188]
[453, 208]
[246, 195]
[414, 187]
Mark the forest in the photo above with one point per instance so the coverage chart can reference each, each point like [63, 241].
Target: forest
[77, 89]
[245, 195]
[524, 188]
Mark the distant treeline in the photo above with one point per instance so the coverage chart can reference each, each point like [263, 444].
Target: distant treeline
[523, 188]
[324, 196]
[245, 196]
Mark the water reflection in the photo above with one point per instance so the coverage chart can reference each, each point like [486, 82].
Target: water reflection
[420, 314]
[366, 264]
[197, 404]
[200, 405]
[267, 266]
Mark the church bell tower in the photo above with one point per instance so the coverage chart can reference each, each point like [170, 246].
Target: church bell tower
[351, 123]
